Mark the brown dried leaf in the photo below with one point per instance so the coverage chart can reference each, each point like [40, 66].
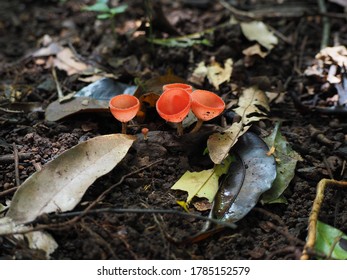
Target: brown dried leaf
[253, 106]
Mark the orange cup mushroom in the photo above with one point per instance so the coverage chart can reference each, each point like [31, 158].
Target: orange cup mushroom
[186, 87]
[173, 106]
[124, 108]
[206, 105]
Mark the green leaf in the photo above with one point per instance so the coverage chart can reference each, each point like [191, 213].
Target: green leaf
[104, 16]
[99, 7]
[286, 163]
[203, 183]
[329, 240]
[118, 10]
[180, 42]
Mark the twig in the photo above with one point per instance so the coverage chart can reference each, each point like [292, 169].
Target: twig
[10, 158]
[270, 214]
[328, 167]
[237, 13]
[11, 190]
[99, 239]
[312, 221]
[16, 163]
[5, 110]
[57, 84]
[326, 24]
[285, 233]
[144, 211]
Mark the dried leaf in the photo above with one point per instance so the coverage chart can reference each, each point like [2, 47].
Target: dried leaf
[250, 174]
[36, 239]
[203, 205]
[258, 31]
[57, 111]
[254, 50]
[253, 106]
[334, 55]
[61, 183]
[287, 159]
[217, 75]
[203, 183]
[51, 49]
[66, 60]
[199, 74]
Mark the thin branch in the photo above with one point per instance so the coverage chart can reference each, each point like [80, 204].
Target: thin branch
[145, 211]
[16, 164]
[326, 24]
[312, 221]
[10, 157]
[11, 190]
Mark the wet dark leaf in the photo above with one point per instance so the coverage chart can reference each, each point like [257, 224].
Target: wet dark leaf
[105, 89]
[251, 174]
[92, 98]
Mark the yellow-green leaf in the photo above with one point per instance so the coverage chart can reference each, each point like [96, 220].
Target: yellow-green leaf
[203, 183]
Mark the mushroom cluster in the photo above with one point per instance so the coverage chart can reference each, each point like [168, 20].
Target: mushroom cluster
[178, 99]
[173, 105]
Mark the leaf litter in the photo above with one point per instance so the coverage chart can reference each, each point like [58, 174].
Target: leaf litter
[61, 183]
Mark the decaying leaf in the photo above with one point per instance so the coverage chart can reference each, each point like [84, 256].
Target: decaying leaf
[252, 106]
[287, 159]
[36, 240]
[333, 55]
[56, 110]
[203, 183]
[254, 50]
[199, 74]
[61, 183]
[215, 73]
[66, 60]
[331, 241]
[258, 31]
[249, 176]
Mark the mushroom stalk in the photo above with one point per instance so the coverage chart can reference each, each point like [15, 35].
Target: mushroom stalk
[179, 129]
[197, 126]
[124, 127]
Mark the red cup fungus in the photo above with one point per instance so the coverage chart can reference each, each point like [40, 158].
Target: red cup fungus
[186, 87]
[124, 108]
[173, 106]
[206, 105]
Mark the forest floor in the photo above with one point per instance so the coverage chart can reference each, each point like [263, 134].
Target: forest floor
[28, 86]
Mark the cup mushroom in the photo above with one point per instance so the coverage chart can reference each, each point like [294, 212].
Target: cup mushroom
[186, 87]
[206, 105]
[124, 108]
[173, 106]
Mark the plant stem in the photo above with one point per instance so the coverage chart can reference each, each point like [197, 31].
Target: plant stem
[124, 127]
[312, 221]
[179, 129]
[197, 126]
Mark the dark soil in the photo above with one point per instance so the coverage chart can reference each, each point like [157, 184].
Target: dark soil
[274, 231]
